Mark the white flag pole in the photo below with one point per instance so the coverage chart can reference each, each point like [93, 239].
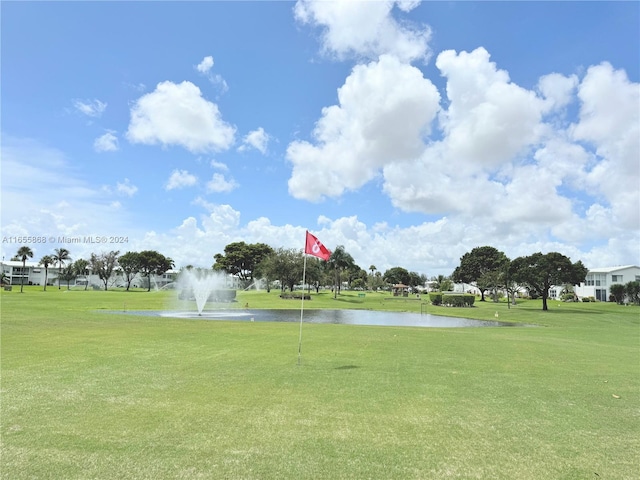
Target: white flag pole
[304, 275]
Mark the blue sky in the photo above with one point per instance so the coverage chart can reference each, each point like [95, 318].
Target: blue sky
[408, 132]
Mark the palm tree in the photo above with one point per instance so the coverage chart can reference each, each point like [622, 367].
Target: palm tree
[61, 256]
[23, 254]
[442, 283]
[372, 269]
[45, 262]
[80, 268]
[339, 260]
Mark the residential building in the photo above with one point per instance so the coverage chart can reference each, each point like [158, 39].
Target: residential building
[598, 282]
[34, 274]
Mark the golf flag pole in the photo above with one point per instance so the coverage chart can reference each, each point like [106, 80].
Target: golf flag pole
[304, 275]
[314, 247]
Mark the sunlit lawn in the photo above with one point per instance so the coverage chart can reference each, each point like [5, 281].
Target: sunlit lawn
[91, 395]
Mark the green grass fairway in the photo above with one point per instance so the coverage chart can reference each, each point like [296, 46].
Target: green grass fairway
[91, 395]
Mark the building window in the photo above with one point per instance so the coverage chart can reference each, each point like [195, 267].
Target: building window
[589, 281]
[616, 278]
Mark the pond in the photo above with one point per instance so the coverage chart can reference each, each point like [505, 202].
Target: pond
[344, 317]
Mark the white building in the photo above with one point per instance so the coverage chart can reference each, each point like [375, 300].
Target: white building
[599, 280]
[34, 274]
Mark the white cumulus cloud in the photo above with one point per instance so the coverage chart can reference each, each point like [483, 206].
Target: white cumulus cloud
[106, 143]
[219, 184]
[180, 179]
[205, 65]
[384, 114]
[177, 114]
[258, 139]
[365, 29]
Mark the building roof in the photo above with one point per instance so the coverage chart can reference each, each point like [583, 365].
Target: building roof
[18, 263]
[611, 269]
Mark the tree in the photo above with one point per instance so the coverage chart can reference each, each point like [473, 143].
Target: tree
[339, 261]
[491, 281]
[397, 275]
[541, 271]
[103, 264]
[476, 264]
[618, 291]
[130, 265]
[80, 268]
[45, 262]
[61, 256]
[442, 283]
[416, 279]
[315, 272]
[376, 282]
[286, 265]
[153, 263]
[354, 272]
[24, 252]
[372, 269]
[633, 292]
[67, 274]
[240, 259]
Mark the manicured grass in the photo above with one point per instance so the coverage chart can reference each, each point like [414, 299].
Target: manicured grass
[92, 395]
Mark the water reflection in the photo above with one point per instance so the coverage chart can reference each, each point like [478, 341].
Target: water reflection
[344, 317]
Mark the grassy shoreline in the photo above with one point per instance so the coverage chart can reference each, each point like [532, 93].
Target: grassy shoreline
[88, 395]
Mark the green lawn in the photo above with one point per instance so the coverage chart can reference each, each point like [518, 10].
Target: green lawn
[89, 395]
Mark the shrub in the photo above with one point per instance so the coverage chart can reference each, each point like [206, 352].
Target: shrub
[295, 296]
[435, 298]
[452, 299]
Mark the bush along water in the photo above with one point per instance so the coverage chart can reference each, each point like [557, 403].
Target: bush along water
[452, 299]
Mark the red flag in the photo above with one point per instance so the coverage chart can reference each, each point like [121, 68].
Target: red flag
[316, 248]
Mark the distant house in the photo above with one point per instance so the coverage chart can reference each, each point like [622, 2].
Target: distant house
[599, 280]
[400, 289]
[33, 274]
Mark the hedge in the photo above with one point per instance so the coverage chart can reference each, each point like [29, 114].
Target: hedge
[452, 299]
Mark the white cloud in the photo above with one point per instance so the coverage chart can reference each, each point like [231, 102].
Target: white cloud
[257, 139]
[205, 65]
[219, 166]
[42, 195]
[177, 114]
[365, 29]
[497, 171]
[385, 112]
[126, 188]
[90, 108]
[106, 143]
[489, 120]
[180, 179]
[557, 90]
[610, 121]
[219, 184]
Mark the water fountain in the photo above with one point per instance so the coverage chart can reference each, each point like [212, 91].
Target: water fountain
[204, 286]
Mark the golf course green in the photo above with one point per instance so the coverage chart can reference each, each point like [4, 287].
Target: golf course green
[91, 395]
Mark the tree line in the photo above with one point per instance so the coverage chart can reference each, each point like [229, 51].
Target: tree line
[106, 265]
[490, 269]
[250, 262]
